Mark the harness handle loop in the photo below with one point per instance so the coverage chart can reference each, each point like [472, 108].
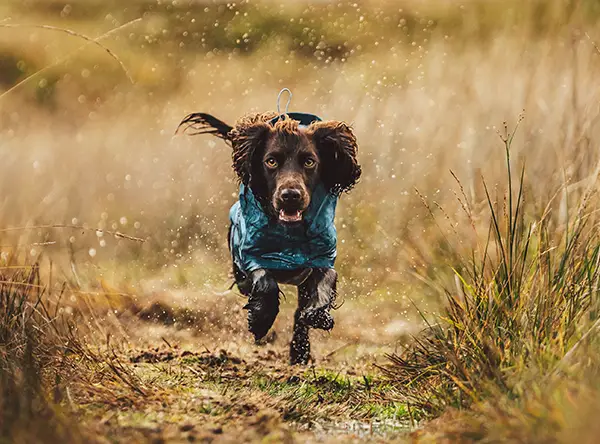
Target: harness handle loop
[287, 105]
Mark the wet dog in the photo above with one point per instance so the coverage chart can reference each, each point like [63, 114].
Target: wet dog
[292, 169]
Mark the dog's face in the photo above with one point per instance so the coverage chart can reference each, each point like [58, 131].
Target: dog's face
[291, 170]
[283, 163]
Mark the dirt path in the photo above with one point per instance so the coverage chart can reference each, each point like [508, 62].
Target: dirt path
[188, 371]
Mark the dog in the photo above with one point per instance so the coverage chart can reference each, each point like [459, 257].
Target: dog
[292, 169]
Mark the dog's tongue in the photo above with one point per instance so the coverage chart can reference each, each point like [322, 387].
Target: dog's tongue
[290, 217]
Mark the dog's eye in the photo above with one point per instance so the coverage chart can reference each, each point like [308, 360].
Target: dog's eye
[271, 162]
[309, 163]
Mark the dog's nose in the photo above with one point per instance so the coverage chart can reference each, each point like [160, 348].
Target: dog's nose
[290, 195]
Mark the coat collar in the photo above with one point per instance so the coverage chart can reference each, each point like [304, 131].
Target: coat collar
[304, 119]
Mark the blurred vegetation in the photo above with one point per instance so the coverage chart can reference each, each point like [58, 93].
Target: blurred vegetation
[174, 32]
[384, 65]
[379, 64]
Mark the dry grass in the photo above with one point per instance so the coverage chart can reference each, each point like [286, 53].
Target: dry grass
[518, 322]
[426, 86]
[33, 354]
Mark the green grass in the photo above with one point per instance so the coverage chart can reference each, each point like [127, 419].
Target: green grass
[322, 394]
[315, 394]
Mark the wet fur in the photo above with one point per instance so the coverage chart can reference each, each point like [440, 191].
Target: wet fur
[335, 140]
[336, 148]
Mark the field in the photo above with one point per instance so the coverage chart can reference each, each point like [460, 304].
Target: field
[469, 252]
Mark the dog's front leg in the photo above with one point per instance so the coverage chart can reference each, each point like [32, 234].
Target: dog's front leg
[320, 292]
[315, 298]
[263, 303]
[300, 345]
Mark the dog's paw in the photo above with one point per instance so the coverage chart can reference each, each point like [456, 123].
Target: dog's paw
[317, 318]
[269, 338]
[262, 311]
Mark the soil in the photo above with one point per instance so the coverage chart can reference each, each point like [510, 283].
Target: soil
[182, 368]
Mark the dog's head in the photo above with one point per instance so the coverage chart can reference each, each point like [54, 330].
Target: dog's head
[282, 162]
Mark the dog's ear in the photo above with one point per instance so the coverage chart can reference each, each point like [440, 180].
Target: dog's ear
[337, 149]
[248, 139]
[200, 123]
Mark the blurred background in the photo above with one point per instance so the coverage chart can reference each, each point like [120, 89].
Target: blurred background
[87, 135]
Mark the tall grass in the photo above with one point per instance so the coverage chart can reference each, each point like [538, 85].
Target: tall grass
[54, 358]
[33, 345]
[522, 305]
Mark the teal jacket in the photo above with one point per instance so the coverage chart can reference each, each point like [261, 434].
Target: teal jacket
[258, 242]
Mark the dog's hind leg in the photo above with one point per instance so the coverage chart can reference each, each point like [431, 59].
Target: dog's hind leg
[263, 303]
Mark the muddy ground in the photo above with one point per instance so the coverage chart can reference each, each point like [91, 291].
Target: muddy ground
[187, 370]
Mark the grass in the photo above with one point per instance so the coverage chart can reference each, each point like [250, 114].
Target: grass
[199, 391]
[32, 352]
[301, 397]
[524, 306]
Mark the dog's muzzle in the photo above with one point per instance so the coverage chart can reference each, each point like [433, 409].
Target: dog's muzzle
[291, 204]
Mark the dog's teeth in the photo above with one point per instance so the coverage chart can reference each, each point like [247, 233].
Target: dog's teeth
[290, 217]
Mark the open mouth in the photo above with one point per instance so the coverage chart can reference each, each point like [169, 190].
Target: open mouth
[289, 217]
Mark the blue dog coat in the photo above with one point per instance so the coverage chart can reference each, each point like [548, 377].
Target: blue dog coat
[257, 242]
